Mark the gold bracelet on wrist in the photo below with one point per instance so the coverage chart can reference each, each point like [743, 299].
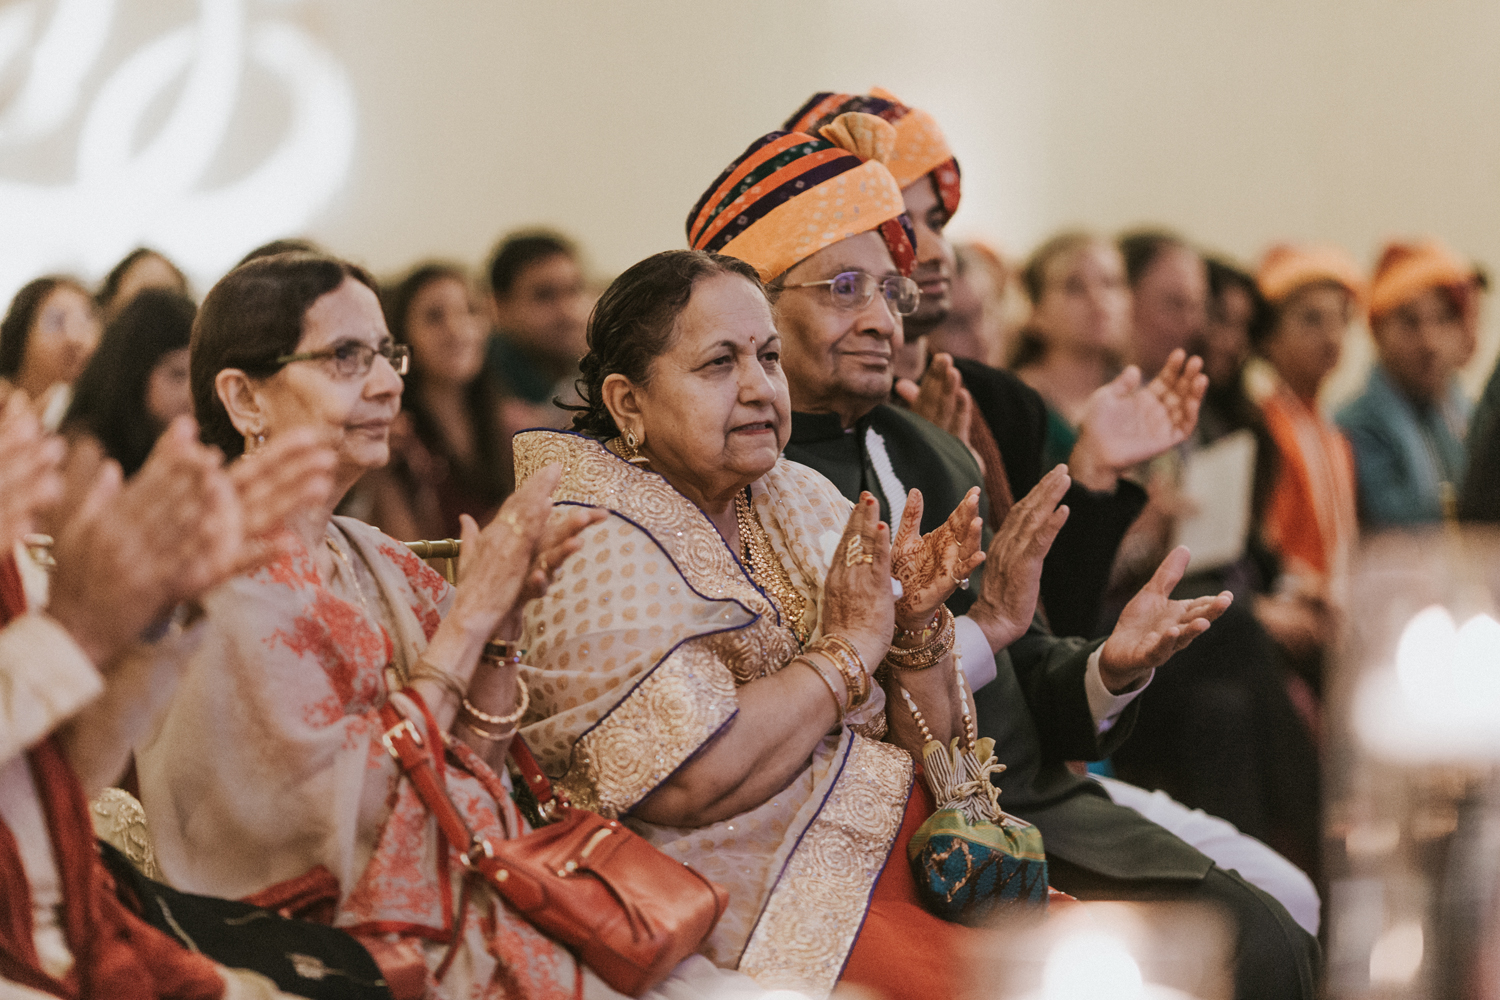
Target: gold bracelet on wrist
[924, 656]
[923, 635]
[502, 720]
[487, 735]
[849, 663]
[838, 703]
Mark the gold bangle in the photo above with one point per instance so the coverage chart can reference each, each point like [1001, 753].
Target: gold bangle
[502, 720]
[849, 663]
[924, 656]
[486, 735]
[925, 634]
[838, 703]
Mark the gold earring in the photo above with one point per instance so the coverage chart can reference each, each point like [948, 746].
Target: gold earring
[632, 450]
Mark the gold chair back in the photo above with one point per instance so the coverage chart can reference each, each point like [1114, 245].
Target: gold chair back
[446, 549]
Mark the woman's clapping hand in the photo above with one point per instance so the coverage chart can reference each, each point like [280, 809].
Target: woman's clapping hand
[931, 566]
[857, 599]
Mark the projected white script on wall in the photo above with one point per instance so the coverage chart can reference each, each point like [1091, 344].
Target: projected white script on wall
[123, 193]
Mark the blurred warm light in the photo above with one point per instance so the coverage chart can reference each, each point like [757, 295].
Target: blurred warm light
[124, 193]
[1122, 951]
[1092, 964]
[1440, 699]
[1397, 954]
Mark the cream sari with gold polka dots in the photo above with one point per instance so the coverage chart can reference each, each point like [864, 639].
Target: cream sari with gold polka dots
[634, 657]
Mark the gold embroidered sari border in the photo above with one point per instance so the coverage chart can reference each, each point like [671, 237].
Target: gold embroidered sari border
[810, 921]
[680, 705]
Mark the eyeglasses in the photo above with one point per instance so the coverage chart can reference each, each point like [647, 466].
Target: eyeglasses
[353, 359]
[855, 289]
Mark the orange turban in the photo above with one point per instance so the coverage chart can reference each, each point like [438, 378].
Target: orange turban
[1406, 270]
[1288, 268]
[921, 147]
[791, 194]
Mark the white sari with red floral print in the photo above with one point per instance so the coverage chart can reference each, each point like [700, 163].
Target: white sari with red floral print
[268, 763]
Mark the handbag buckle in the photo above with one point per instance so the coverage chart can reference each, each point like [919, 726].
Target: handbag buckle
[388, 738]
[479, 846]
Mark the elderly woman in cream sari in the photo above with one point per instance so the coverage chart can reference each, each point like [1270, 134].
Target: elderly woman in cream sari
[703, 666]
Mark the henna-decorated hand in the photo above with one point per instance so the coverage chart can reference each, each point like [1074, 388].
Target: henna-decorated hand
[857, 601]
[563, 537]
[931, 566]
[1153, 626]
[1125, 423]
[1013, 576]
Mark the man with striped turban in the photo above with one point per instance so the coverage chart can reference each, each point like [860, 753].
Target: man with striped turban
[1103, 849]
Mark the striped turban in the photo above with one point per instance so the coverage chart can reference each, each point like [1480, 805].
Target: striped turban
[921, 147]
[1406, 270]
[791, 194]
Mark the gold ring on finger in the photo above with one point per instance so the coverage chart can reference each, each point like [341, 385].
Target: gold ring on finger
[510, 521]
[867, 559]
[961, 583]
[542, 560]
[854, 551]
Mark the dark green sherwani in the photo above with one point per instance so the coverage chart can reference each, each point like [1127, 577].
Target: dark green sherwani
[1037, 712]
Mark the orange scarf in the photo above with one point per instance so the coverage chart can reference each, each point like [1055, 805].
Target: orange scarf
[1311, 521]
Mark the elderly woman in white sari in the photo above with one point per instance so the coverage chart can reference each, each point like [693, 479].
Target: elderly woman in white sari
[703, 666]
[267, 777]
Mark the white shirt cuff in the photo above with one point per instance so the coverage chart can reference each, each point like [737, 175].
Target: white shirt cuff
[44, 679]
[1103, 706]
[974, 655]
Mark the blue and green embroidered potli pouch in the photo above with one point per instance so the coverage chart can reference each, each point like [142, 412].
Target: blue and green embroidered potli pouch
[970, 858]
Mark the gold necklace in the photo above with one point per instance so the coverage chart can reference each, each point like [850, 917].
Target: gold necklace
[766, 568]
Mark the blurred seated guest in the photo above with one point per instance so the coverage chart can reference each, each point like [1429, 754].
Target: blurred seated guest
[1169, 295]
[1078, 332]
[267, 767]
[1235, 307]
[1408, 427]
[47, 336]
[137, 381]
[77, 687]
[979, 321]
[1310, 521]
[541, 303]
[450, 448]
[140, 269]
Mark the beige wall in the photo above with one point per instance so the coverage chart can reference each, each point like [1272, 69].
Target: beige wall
[1239, 122]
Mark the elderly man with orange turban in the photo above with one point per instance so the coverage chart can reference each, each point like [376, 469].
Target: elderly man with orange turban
[835, 268]
[1407, 428]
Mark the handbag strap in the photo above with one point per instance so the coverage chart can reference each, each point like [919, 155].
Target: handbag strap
[548, 799]
[404, 742]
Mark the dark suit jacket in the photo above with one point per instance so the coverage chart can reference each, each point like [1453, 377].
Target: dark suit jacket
[1076, 572]
[1036, 708]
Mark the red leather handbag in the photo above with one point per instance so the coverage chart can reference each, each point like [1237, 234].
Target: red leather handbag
[624, 908]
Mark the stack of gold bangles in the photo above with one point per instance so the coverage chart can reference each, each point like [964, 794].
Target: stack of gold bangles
[846, 659]
[498, 653]
[935, 642]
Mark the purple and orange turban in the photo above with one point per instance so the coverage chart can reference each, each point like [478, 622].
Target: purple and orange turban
[921, 147]
[1406, 270]
[791, 194]
[1289, 267]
